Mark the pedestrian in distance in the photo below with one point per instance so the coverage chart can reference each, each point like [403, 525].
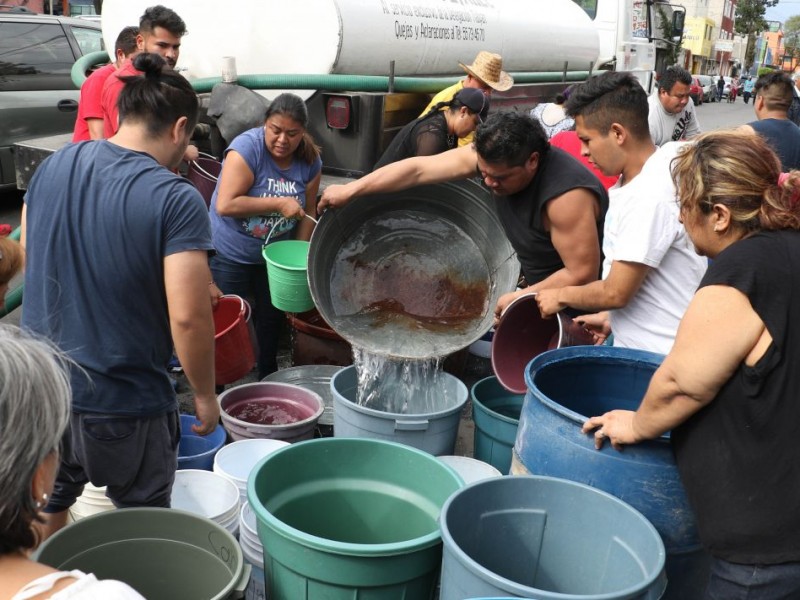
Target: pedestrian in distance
[720, 88]
[727, 391]
[116, 273]
[34, 414]
[747, 92]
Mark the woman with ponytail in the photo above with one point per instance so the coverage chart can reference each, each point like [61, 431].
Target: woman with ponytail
[269, 181]
[438, 130]
[729, 388]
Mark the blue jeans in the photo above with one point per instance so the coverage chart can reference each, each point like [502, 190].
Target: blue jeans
[250, 282]
[730, 581]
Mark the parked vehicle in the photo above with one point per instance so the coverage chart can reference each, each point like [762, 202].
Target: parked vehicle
[37, 96]
[709, 88]
[696, 91]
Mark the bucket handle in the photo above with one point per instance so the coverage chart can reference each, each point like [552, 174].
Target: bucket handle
[417, 425]
[239, 588]
[273, 228]
[245, 306]
[197, 166]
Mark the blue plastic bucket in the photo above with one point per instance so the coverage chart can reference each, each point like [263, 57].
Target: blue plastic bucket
[549, 539]
[496, 412]
[569, 385]
[198, 451]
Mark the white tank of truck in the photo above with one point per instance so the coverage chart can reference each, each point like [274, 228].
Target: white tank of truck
[361, 37]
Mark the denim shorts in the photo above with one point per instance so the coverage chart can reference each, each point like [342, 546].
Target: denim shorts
[134, 457]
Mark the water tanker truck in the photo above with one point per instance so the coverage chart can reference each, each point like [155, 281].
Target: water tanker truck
[367, 67]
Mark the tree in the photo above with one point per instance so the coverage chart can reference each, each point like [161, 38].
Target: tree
[791, 36]
[750, 22]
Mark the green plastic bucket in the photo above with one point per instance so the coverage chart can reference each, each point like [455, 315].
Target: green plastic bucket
[496, 413]
[162, 553]
[287, 263]
[346, 517]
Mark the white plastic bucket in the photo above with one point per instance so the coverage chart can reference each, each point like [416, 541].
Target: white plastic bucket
[253, 553]
[93, 501]
[470, 469]
[207, 494]
[237, 459]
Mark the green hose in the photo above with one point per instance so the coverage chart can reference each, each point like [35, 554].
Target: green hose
[333, 82]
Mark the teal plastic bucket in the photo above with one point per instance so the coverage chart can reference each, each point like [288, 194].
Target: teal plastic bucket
[495, 412]
[549, 539]
[162, 553]
[287, 264]
[350, 518]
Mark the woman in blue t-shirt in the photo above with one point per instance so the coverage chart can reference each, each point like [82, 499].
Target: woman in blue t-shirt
[269, 181]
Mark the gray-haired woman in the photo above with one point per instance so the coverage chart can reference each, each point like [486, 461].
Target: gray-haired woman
[34, 412]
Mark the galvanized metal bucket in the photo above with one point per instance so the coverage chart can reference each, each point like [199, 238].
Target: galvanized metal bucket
[413, 274]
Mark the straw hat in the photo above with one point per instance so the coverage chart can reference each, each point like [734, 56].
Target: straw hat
[488, 67]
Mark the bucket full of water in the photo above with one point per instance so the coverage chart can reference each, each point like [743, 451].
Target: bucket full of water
[433, 431]
[287, 267]
[233, 348]
[550, 539]
[270, 410]
[522, 334]
[162, 553]
[412, 275]
[316, 378]
[569, 385]
[495, 412]
[358, 520]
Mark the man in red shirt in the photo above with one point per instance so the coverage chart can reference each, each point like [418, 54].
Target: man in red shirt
[160, 32]
[89, 124]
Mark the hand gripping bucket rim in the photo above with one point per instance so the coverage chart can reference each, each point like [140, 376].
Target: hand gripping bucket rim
[347, 548]
[233, 347]
[522, 321]
[288, 283]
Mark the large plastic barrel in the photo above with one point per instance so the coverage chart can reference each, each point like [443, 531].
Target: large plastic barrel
[434, 432]
[162, 553]
[496, 412]
[550, 539]
[358, 520]
[567, 386]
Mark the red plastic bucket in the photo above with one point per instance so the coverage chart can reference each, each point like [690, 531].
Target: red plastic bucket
[234, 356]
[203, 173]
[523, 334]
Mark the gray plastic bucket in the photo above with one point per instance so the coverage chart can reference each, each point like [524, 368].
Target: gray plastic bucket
[162, 553]
[434, 432]
[549, 539]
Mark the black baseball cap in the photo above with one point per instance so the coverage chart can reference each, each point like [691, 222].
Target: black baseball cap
[475, 100]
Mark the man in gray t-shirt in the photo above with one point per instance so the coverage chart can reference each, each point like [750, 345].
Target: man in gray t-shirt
[672, 113]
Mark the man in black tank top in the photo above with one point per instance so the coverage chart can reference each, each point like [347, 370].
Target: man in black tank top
[550, 205]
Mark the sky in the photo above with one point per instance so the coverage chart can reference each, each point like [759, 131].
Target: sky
[783, 10]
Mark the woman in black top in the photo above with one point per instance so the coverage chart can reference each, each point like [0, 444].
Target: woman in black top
[438, 130]
[729, 389]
